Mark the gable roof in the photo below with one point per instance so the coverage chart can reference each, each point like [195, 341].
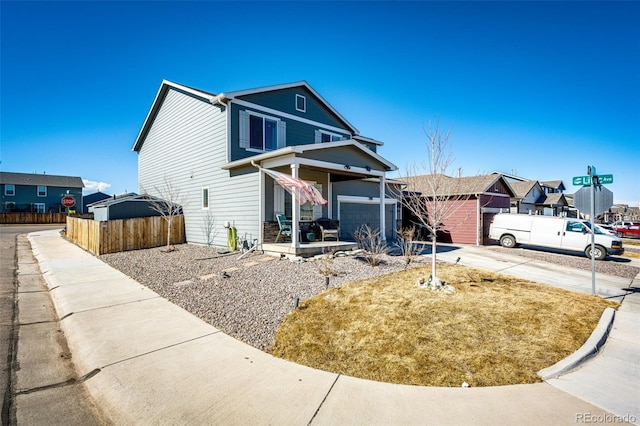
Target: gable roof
[34, 179]
[553, 199]
[302, 83]
[557, 185]
[223, 98]
[124, 198]
[522, 188]
[469, 185]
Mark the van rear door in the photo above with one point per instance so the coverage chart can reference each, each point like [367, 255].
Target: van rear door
[575, 235]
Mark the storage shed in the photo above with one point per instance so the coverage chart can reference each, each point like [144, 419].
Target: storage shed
[124, 207]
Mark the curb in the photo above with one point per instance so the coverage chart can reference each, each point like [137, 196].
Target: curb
[589, 349]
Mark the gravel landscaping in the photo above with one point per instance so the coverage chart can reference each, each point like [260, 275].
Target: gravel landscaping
[249, 298]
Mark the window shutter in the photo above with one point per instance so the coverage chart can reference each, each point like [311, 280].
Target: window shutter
[318, 136]
[282, 134]
[244, 129]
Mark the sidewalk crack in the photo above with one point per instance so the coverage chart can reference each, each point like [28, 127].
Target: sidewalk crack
[323, 400]
[71, 381]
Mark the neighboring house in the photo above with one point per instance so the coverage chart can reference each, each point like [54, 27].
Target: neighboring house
[38, 193]
[621, 212]
[552, 204]
[93, 198]
[125, 206]
[552, 186]
[527, 194]
[210, 149]
[532, 197]
[476, 200]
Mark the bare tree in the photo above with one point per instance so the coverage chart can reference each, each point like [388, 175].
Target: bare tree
[209, 227]
[167, 201]
[371, 243]
[430, 195]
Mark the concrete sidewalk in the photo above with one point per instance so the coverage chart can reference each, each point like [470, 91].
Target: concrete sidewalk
[147, 361]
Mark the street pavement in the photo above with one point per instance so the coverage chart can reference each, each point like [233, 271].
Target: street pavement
[39, 375]
[144, 360]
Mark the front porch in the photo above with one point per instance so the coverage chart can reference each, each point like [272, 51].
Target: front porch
[308, 249]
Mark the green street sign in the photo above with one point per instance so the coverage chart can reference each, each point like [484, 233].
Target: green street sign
[586, 180]
[605, 179]
[582, 180]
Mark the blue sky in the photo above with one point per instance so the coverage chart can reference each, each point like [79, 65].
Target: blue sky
[539, 89]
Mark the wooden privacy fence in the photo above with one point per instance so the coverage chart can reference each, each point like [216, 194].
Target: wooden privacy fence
[25, 217]
[125, 234]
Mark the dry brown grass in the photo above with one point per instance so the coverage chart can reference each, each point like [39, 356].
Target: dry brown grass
[495, 330]
[631, 254]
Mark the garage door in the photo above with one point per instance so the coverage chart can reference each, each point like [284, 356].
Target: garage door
[354, 215]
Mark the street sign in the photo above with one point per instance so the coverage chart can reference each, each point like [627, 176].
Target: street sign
[586, 180]
[68, 201]
[582, 180]
[605, 179]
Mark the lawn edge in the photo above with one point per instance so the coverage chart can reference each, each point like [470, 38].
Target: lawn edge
[589, 349]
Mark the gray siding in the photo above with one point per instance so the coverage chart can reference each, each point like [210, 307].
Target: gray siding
[346, 155]
[298, 133]
[187, 143]
[284, 100]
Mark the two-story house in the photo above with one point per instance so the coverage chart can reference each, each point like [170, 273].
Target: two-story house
[212, 149]
[39, 193]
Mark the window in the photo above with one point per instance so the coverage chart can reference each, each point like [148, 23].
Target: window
[575, 226]
[261, 133]
[322, 136]
[9, 189]
[42, 191]
[38, 207]
[205, 198]
[301, 103]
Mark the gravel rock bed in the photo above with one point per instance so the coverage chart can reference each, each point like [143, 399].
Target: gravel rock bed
[260, 291]
[612, 265]
[256, 296]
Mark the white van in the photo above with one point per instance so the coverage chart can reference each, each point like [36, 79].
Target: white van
[555, 232]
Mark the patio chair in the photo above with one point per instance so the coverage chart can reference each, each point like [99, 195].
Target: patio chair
[329, 228]
[285, 226]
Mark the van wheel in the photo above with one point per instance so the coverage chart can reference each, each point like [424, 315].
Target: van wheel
[507, 241]
[600, 252]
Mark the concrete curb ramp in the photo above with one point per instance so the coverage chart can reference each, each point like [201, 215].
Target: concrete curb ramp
[151, 362]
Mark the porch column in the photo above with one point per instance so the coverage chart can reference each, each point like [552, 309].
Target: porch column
[261, 198]
[295, 211]
[383, 232]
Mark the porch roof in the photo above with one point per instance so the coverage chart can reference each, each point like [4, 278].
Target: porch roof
[301, 150]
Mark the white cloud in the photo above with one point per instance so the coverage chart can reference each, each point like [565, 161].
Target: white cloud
[91, 186]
